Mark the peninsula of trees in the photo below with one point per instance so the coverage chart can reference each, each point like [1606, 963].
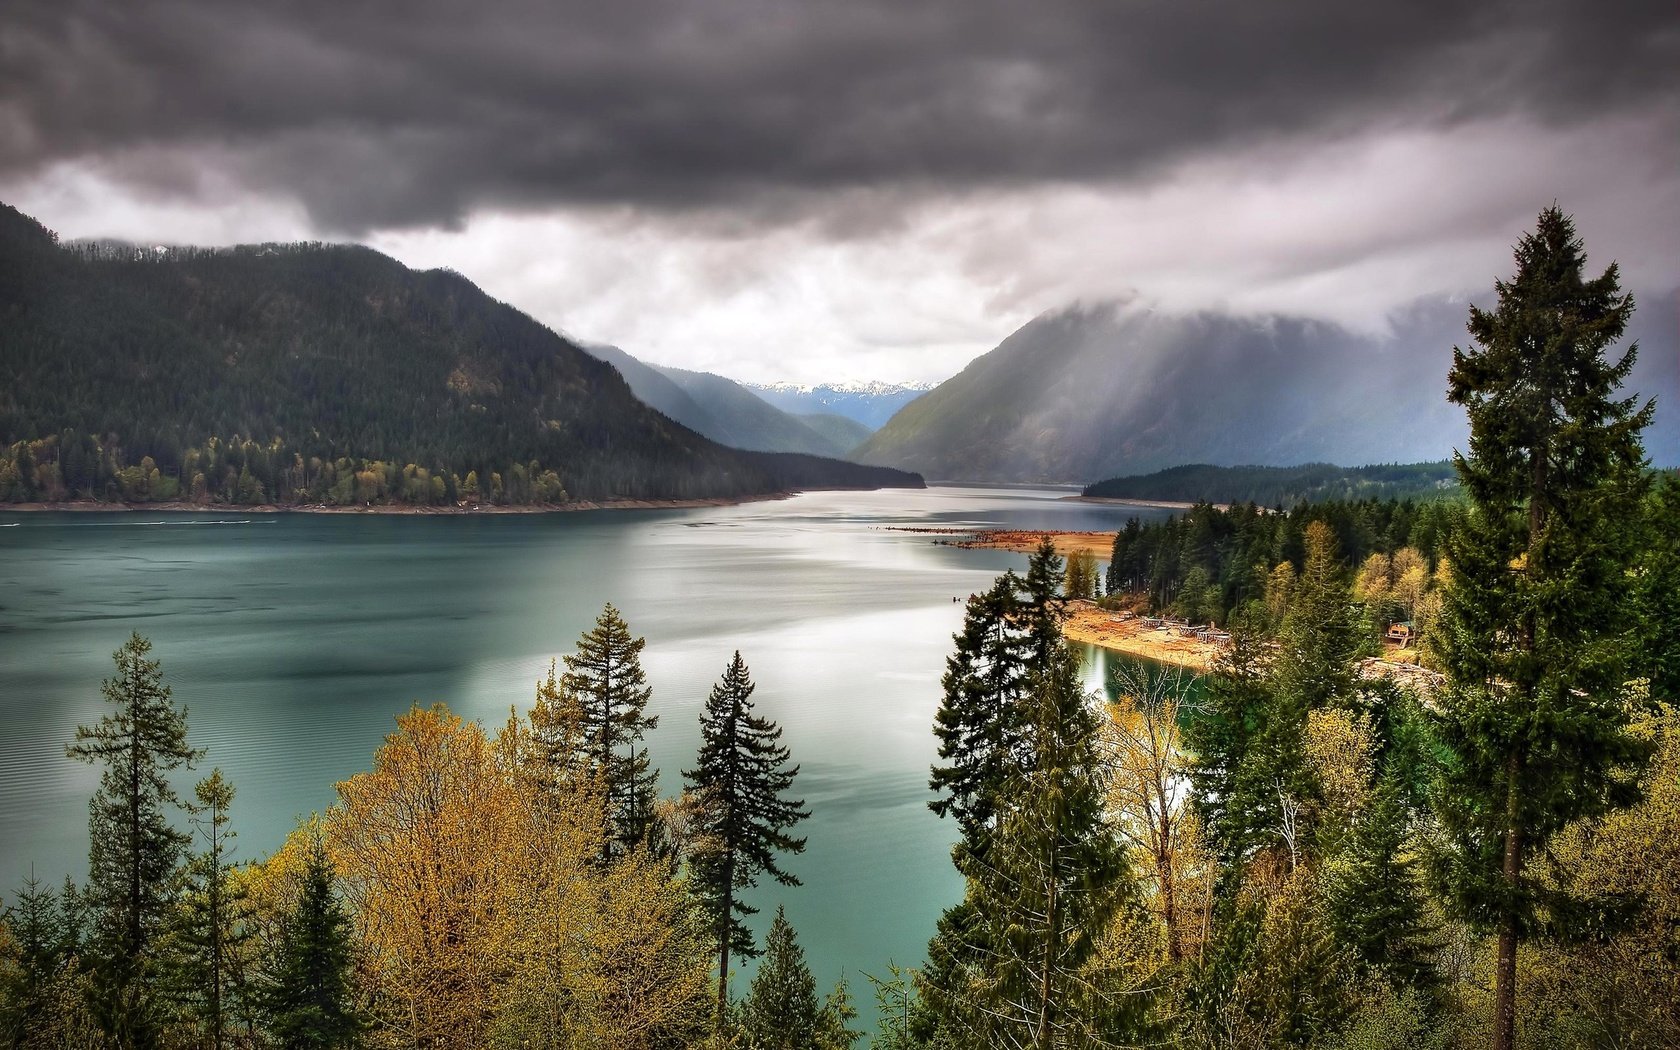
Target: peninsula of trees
[323, 374]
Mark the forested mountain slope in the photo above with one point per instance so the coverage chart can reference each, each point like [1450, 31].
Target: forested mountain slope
[1098, 392]
[322, 372]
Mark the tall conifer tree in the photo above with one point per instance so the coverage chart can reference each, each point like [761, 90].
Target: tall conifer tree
[134, 849]
[1536, 620]
[207, 958]
[310, 1006]
[740, 781]
[605, 675]
[781, 1011]
[1050, 884]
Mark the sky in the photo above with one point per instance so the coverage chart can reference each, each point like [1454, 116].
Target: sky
[847, 190]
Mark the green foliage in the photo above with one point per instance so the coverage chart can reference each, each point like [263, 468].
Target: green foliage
[206, 963]
[1209, 562]
[134, 851]
[42, 984]
[781, 1011]
[739, 782]
[1248, 754]
[896, 1008]
[1283, 486]
[606, 678]
[1657, 591]
[311, 1004]
[1049, 883]
[1537, 620]
[978, 723]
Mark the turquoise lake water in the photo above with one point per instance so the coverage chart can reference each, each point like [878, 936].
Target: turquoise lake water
[293, 640]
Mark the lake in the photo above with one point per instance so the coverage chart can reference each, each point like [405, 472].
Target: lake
[293, 640]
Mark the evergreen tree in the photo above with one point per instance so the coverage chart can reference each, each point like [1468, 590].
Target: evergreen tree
[605, 674]
[1241, 753]
[134, 851]
[1658, 591]
[1050, 884]
[206, 958]
[37, 968]
[310, 1005]
[1535, 717]
[978, 723]
[1373, 896]
[740, 780]
[781, 1011]
[1320, 636]
[895, 1006]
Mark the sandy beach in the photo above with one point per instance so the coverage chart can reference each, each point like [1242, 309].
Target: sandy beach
[1132, 636]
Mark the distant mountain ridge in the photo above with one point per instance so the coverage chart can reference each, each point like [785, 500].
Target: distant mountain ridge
[259, 369]
[726, 411]
[870, 403]
[1112, 390]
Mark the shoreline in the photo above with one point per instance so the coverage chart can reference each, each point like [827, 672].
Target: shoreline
[1091, 625]
[91, 507]
[1021, 541]
[1160, 504]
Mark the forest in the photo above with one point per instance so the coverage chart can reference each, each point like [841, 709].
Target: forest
[1287, 855]
[1281, 487]
[324, 374]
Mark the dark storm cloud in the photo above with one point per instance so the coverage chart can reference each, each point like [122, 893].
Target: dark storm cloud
[381, 113]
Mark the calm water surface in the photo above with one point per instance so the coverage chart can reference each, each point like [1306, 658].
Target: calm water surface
[294, 639]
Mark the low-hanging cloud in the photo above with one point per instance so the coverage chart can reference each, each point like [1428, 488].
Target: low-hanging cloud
[419, 113]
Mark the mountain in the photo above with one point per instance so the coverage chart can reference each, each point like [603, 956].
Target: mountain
[726, 411]
[842, 431]
[322, 373]
[871, 404]
[1104, 391]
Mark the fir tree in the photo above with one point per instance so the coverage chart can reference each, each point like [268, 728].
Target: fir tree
[605, 675]
[34, 960]
[1374, 899]
[1049, 885]
[207, 961]
[740, 781]
[978, 721]
[1658, 592]
[1535, 718]
[781, 1011]
[1240, 752]
[134, 851]
[310, 1005]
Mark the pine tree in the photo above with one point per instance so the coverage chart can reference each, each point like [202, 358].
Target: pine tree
[33, 958]
[134, 851]
[1240, 752]
[978, 722]
[1658, 592]
[206, 957]
[310, 1005]
[1374, 900]
[781, 1011]
[1050, 884]
[740, 780]
[605, 674]
[1535, 717]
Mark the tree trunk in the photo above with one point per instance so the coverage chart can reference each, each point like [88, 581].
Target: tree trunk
[1505, 970]
[723, 940]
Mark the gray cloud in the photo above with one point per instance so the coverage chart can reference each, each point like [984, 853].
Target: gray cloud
[412, 113]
